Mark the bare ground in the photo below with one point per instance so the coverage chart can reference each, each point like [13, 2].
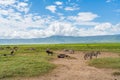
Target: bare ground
[76, 68]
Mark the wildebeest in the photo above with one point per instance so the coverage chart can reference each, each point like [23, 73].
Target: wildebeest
[4, 54]
[8, 47]
[12, 52]
[62, 55]
[69, 51]
[49, 52]
[15, 48]
[91, 54]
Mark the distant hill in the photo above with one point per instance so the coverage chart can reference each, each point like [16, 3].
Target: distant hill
[64, 39]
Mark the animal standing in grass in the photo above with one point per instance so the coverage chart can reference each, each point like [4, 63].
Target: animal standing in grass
[15, 48]
[91, 54]
[12, 52]
[49, 52]
[96, 53]
[69, 51]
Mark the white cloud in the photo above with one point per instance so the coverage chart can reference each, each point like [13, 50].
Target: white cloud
[86, 16]
[60, 14]
[54, 28]
[90, 32]
[71, 8]
[22, 7]
[15, 24]
[83, 16]
[61, 28]
[52, 8]
[58, 3]
[107, 28]
[7, 2]
[116, 28]
[103, 26]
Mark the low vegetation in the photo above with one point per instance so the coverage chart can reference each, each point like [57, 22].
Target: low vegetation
[31, 60]
[113, 63]
[116, 73]
[24, 65]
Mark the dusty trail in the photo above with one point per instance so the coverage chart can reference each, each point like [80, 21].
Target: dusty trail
[77, 69]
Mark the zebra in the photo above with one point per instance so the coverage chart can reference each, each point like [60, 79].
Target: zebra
[91, 54]
[88, 54]
[96, 53]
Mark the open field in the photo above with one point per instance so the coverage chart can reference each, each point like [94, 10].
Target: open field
[31, 61]
[113, 63]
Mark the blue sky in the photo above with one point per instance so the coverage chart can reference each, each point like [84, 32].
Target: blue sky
[44, 18]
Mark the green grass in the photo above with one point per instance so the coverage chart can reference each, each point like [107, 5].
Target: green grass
[27, 63]
[116, 73]
[24, 65]
[114, 47]
[113, 63]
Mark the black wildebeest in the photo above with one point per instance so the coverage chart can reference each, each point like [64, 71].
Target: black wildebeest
[49, 52]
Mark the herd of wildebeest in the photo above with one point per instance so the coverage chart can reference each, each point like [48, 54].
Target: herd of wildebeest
[87, 54]
[8, 48]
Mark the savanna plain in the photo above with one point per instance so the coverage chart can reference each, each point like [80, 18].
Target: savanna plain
[31, 62]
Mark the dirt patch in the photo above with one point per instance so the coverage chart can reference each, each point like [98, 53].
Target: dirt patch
[76, 68]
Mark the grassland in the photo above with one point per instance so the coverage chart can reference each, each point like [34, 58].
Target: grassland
[31, 60]
[112, 47]
[113, 63]
[25, 63]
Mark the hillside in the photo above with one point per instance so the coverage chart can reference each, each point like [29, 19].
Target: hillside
[64, 39]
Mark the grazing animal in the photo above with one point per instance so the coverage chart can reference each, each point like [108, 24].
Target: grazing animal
[88, 55]
[49, 52]
[96, 53]
[69, 50]
[4, 54]
[62, 56]
[12, 52]
[8, 47]
[15, 48]
[91, 54]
